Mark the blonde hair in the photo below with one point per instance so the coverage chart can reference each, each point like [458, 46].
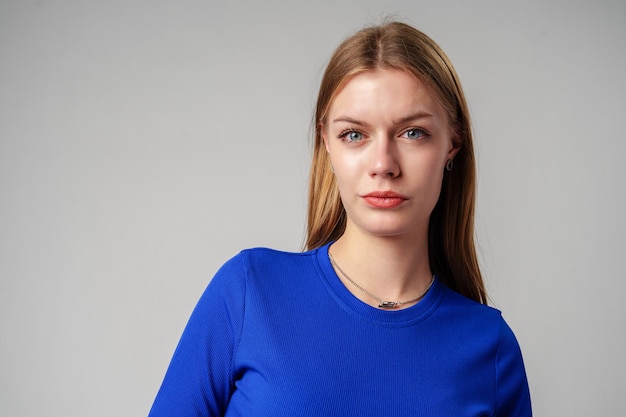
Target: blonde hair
[396, 45]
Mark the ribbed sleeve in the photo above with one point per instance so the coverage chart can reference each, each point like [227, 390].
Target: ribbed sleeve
[513, 396]
[200, 378]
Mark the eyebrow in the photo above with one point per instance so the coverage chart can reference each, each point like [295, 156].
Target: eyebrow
[405, 119]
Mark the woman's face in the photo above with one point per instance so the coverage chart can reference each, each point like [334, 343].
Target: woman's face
[388, 140]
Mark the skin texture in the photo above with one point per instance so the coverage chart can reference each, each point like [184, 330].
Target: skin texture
[386, 133]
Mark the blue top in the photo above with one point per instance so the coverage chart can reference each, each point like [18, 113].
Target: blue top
[278, 334]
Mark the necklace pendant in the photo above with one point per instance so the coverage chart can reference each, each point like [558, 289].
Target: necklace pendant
[388, 305]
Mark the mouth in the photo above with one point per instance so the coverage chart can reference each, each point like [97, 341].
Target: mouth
[384, 199]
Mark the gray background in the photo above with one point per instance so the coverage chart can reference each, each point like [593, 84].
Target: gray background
[143, 143]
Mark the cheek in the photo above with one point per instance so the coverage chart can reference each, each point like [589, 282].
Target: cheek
[345, 163]
[348, 174]
[344, 174]
[426, 172]
[427, 161]
[348, 166]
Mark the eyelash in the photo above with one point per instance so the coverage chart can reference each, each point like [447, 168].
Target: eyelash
[344, 134]
[422, 132]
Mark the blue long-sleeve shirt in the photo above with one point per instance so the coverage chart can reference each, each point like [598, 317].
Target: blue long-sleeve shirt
[277, 334]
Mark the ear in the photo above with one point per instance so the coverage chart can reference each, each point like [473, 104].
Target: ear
[455, 146]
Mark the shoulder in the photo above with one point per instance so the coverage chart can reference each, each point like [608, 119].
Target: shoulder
[484, 320]
[264, 264]
[461, 306]
[247, 274]
[469, 318]
[265, 260]
[267, 257]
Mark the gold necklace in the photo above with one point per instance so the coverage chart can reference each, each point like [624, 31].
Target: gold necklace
[387, 305]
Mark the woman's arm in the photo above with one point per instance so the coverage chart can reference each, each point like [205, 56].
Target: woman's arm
[200, 377]
[513, 396]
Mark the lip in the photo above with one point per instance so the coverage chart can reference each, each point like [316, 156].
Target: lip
[384, 199]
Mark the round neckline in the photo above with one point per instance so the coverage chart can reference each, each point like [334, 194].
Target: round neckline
[354, 306]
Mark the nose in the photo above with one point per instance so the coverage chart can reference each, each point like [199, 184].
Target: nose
[384, 161]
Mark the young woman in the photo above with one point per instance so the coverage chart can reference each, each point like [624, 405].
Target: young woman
[385, 313]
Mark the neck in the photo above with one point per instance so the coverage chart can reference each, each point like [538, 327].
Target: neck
[392, 268]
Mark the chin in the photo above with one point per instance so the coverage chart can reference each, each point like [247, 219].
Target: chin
[389, 224]
[391, 230]
[392, 234]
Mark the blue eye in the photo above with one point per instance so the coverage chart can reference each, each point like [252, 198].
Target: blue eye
[414, 134]
[351, 136]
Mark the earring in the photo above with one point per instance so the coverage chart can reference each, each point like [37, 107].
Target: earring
[449, 165]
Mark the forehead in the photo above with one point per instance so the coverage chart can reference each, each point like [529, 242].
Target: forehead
[384, 92]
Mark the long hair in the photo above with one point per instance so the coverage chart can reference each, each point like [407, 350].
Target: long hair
[396, 45]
